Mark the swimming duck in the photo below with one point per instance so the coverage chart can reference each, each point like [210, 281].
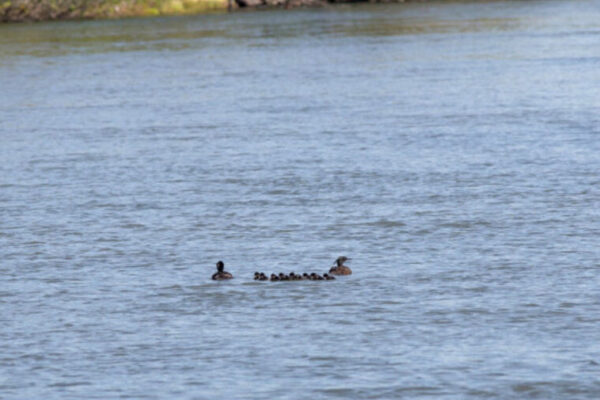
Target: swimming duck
[328, 277]
[305, 276]
[256, 276]
[274, 278]
[263, 277]
[340, 268]
[221, 274]
[315, 277]
[295, 277]
[283, 277]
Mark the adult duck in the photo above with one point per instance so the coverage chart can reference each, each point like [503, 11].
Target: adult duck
[340, 268]
[221, 274]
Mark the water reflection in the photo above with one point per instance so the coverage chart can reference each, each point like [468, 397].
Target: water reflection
[184, 33]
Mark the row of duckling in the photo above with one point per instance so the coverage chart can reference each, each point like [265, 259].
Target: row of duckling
[338, 269]
[260, 276]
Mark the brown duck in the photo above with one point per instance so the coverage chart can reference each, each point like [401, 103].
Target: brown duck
[340, 268]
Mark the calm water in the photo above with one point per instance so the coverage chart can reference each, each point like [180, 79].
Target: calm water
[451, 149]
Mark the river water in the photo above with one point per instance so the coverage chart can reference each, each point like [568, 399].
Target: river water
[450, 148]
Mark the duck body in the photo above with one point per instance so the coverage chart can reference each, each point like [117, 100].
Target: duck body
[220, 276]
[341, 270]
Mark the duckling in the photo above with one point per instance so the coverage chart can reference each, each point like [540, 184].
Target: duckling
[256, 276]
[263, 277]
[274, 278]
[305, 276]
[283, 277]
[221, 274]
[340, 268]
[292, 276]
[328, 277]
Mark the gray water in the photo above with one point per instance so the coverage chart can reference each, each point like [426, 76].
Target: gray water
[451, 149]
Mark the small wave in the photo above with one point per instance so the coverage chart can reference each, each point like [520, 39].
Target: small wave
[386, 223]
[464, 224]
[68, 384]
[529, 387]
[132, 225]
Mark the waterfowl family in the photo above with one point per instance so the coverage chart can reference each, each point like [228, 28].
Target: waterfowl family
[221, 274]
[340, 268]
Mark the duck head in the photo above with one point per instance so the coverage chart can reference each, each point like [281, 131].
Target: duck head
[341, 260]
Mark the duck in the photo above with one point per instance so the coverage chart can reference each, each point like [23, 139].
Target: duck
[328, 277]
[283, 277]
[256, 276]
[340, 268]
[221, 274]
[305, 276]
[263, 277]
[274, 278]
[315, 277]
[295, 277]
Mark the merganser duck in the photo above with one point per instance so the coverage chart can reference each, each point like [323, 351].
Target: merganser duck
[340, 268]
[221, 274]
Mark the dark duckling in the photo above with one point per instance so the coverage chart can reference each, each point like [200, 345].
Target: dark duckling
[263, 277]
[274, 277]
[315, 277]
[305, 276]
[256, 276]
[340, 268]
[221, 274]
[295, 277]
[328, 277]
[283, 277]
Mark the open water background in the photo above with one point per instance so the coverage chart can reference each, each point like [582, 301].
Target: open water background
[450, 148]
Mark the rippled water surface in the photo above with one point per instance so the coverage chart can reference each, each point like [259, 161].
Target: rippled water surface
[450, 148]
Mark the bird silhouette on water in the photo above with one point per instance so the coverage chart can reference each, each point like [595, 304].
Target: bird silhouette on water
[221, 274]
